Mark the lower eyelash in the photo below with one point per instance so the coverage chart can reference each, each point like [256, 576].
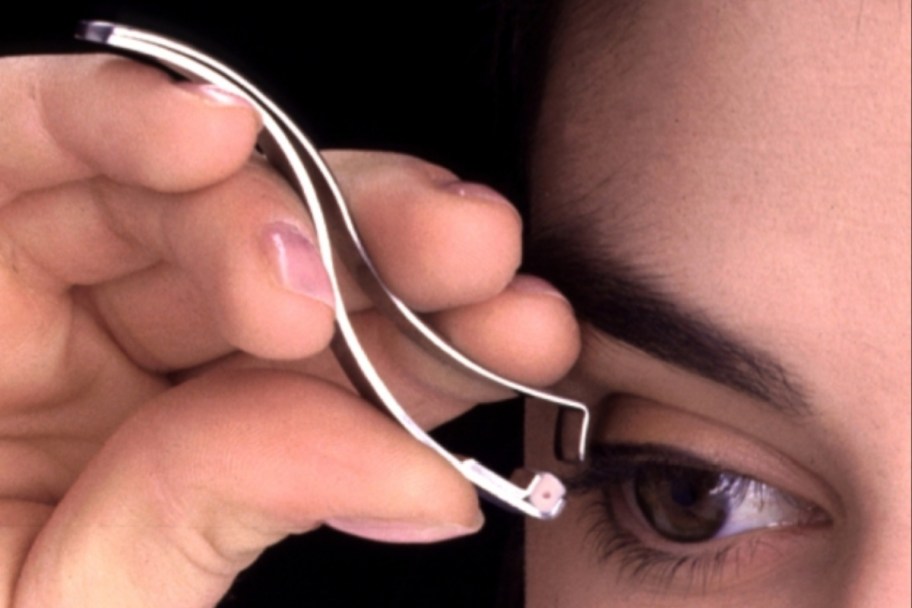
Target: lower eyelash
[640, 563]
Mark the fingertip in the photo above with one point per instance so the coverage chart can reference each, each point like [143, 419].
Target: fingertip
[393, 531]
[295, 262]
[469, 246]
[442, 494]
[132, 123]
[528, 333]
[546, 317]
[275, 327]
[276, 298]
[429, 501]
[273, 296]
[437, 242]
[536, 286]
[256, 262]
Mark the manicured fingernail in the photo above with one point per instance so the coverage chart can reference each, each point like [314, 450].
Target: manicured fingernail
[214, 94]
[296, 262]
[527, 283]
[475, 190]
[403, 531]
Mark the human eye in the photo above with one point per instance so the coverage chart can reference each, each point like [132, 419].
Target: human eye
[671, 519]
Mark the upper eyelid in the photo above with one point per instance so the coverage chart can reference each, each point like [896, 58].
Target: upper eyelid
[629, 419]
[592, 477]
[622, 455]
[660, 452]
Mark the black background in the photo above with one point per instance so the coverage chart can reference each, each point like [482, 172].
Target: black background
[408, 76]
[418, 78]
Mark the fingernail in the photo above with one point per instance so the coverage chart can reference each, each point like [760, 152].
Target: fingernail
[391, 531]
[475, 190]
[296, 262]
[527, 283]
[214, 94]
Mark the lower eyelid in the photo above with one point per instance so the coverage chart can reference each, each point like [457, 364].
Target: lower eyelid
[664, 568]
[623, 507]
[626, 541]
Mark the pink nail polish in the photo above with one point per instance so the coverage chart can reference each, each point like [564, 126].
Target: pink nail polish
[475, 190]
[213, 94]
[527, 283]
[403, 531]
[296, 262]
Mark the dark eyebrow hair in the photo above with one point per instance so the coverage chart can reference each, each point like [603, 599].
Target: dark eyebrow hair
[625, 303]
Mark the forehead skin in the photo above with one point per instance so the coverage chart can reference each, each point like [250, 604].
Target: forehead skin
[755, 158]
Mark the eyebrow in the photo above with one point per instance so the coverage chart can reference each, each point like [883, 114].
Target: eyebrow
[627, 304]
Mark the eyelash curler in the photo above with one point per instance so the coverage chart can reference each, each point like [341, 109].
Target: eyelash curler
[536, 494]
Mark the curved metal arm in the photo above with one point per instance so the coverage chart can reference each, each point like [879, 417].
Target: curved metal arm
[292, 153]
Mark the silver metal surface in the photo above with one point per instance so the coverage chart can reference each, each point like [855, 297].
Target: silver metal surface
[291, 152]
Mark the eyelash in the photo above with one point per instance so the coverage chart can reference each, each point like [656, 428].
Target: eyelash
[613, 468]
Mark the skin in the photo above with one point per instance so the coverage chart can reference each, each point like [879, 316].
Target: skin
[755, 159]
[157, 415]
[160, 423]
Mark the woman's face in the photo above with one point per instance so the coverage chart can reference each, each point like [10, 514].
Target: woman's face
[723, 189]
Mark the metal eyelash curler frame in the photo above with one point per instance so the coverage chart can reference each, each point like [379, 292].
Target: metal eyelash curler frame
[297, 159]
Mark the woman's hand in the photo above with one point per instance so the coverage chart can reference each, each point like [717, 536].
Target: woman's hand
[168, 406]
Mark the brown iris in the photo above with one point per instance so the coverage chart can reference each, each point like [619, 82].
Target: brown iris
[682, 504]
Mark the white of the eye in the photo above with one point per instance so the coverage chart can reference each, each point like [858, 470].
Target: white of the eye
[758, 505]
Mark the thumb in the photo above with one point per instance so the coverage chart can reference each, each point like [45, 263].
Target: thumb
[195, 486]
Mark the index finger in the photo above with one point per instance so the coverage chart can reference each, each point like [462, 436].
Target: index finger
[73, 117]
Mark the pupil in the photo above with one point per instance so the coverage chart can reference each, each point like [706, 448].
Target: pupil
[682, 504]
[683, 492]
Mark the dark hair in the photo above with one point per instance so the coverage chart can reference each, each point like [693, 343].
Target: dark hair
[519, 62]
